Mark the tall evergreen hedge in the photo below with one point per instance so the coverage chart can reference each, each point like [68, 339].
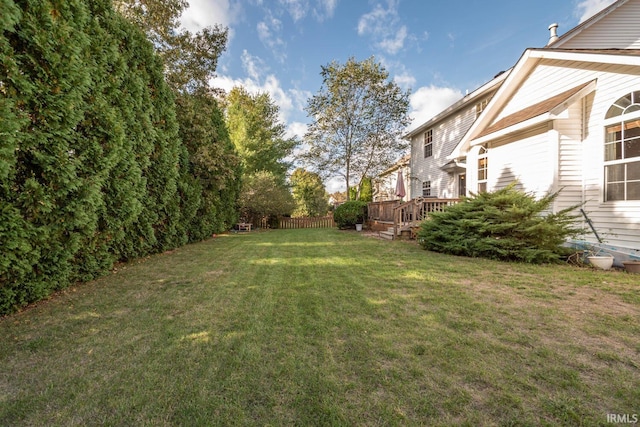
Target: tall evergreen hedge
[213, 165]
[93, 168]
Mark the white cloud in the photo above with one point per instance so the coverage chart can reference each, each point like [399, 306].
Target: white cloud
[269, 34]
[428, 101]
[325, 9]
[202, 13]
[335, 184]
[252, 65]
[373, 21]
[393, 45]
[405, 80]
[300, 98]
[587, 8]
[296, 129]
[286, 100]
[384, 27]
[296, 8]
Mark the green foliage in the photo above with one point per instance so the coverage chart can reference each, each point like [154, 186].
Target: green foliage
[257, 134]
[350, 213]
[48, 198]
[92, 165]
[507, 224]
[309, 194]
[190, 58]
[264, 196]
[362, 192]
[358, 117]
[212, 166]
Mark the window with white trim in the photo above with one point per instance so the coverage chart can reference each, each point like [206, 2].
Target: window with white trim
[480, 106]
[428, 143]
[483, 169]
[622, 149]
[426, 188]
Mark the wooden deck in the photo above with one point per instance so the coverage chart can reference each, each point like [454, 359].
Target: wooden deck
[405, 215]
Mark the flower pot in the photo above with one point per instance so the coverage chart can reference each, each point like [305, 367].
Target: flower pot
[604, 262]
[631, 266]
[358, 227]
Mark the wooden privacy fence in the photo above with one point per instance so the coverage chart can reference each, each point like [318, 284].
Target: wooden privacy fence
[304, 222]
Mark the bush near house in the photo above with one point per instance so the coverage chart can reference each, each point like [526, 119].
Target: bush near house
[507, 224]
[350, 213]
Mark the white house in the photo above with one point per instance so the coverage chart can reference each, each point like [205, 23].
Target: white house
[432, 172]
[386, 184]
[567, 117]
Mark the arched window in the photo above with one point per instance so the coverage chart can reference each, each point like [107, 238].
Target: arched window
[483, 169]
[622, 149]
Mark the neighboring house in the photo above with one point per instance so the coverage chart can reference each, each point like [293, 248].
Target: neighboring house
[385, 185]
[432, 173]
[567, 117]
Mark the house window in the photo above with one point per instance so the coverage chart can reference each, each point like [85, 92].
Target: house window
[426, 188]
[483, 168]
[480, 106]
[462, 185]
[622, 149]
[428, 143]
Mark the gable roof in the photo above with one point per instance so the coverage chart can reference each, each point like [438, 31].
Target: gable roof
[572, 33]
[402, 162]
[535, 110]
[529, 60]
[493, 84]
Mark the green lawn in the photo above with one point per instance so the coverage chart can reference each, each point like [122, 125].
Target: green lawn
[322, 327]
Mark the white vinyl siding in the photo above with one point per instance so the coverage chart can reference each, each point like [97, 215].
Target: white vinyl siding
[525, 160]
[570, 151]
[446, 135]
[578, 165]
[617, 30]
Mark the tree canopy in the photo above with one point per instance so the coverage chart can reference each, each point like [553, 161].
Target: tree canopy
[257, 133]
[357, 120]
[190, 59]
[263, 196]
[309, 194]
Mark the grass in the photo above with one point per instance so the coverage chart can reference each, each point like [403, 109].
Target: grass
[322, 327]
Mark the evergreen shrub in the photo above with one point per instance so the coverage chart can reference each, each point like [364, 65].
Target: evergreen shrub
[350, 213]
[95, 164]
[507, 224]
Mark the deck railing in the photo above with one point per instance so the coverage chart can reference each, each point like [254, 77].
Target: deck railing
[382, 211]
[409, 214]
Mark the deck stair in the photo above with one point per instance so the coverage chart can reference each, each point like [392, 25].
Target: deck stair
[405, 217]
[389, 234]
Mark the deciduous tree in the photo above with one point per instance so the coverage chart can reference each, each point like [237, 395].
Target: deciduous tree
[262, 196]
[190, 58]
[257, 133]
[358, 116]
[309, 193]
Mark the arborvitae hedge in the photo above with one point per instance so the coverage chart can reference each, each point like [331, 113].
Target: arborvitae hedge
[92, 165]
[212, 163]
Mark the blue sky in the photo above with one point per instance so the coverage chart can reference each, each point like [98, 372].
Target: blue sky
[439, 49]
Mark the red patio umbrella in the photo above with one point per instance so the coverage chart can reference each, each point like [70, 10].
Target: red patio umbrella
[400, 192]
